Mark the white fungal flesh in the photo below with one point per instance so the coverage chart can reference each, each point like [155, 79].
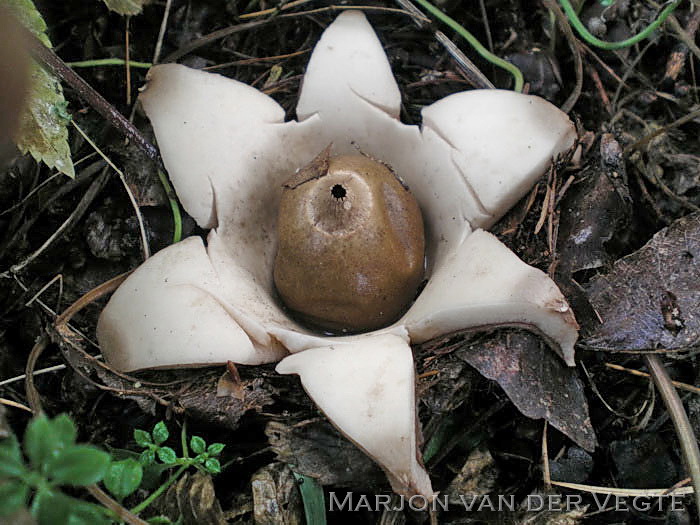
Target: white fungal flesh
[228, 151]
[167, 314]
[501, 140]
[485, 282]
[367, 389]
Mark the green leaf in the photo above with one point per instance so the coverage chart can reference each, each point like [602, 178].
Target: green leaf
[198, 445]
[13, 495]
[312, 497]
[78, 465]
[167, 455]
[142, 438]
[83, 513]
[125, 7]
[39, 444]
[30, 18]
[215, 449]
[63, 430]
[123, 478]
[160, 433]
[11, 462]
[212, 465]
[152, 475]
[43, 130]
[147, 457]
[51, 508]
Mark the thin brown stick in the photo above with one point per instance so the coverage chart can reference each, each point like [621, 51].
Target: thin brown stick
[122, 513]
[645, 140]
[469, 71]
[686, 436]
[226, 31]
[33, 397]
[15, 404]
[563, 23]
[639, 373]
[75, 215]
[88, 298]
[127, 59]
[54, 63]
[546, 475]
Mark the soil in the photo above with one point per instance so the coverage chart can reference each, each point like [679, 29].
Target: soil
[627, 186]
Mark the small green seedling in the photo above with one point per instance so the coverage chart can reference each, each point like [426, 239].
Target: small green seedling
[54, 461]
[49, 460]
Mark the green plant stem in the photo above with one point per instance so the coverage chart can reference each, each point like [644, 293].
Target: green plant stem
[156, 493]
[183, 433]
[588, 37]
[108, 62]
[174, 206]
[485, 53]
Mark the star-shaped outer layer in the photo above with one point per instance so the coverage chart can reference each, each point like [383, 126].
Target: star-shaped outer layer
[228, 151]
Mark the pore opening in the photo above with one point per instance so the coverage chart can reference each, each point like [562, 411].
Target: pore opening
[338, 191]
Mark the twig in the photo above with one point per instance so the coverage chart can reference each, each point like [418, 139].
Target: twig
[468, 69]
[639, 373]
[478, 47]
[15, 404]
[565, 28]
[680, 52]
[21, 377]
[122, 513]
[687, 36]
[226, 31]
[274, 10]
[631, 68]
[75, 215]
[127, 56]
[645, 140]
[630, 493]
[137, 211]
[161, 31]
[546, 475]
[88, 298]
[487, 28]
[52, 61]
[32, 393]
[686, 436]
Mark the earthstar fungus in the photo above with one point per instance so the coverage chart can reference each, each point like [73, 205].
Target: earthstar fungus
[229, 151]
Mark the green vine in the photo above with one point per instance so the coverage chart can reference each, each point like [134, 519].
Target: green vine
[478, 47]
[591, 39]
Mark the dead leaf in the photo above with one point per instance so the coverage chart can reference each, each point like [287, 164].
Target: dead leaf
[314, 448]
[276, 497]
[538, 382]
[192, 499]
[594, 210]
[477, 478]
[651, 298]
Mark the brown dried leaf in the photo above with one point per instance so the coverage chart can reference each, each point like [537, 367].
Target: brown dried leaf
[201, 401]
[276, 497]
[317, 450]
[651, 298]
[595, 209]
[193, 500]
[538, 382]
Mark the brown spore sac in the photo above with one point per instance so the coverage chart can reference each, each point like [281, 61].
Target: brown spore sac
[351, 244]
